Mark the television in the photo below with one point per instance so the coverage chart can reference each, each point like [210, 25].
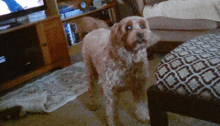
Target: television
[12, 9]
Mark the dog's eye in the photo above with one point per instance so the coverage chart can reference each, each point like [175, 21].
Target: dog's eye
[128, 27]
[142, 26]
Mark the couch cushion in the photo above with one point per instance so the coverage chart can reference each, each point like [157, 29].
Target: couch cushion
[192, 68]
[183, 14]
[181, 24]
[185, 9]
[182, 35]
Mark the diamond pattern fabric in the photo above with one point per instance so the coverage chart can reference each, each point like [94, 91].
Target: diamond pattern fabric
[192, 68]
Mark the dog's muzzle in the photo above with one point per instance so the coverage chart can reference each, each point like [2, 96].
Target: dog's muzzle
[140, 38]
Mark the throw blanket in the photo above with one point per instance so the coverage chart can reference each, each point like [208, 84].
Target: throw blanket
[185, 9]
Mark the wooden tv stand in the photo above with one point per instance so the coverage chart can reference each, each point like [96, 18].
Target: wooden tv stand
[52, 43]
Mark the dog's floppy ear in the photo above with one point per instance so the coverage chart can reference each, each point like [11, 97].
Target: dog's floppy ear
[116, 36]
[152, 40]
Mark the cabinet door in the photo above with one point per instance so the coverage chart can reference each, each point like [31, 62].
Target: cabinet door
[53, 40]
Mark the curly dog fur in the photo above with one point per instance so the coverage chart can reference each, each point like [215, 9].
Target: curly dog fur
[87, 24]
[119, 56]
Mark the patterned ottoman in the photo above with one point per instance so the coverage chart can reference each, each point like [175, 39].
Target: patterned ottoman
[188, 82]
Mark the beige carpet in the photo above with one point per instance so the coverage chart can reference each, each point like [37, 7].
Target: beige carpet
[76, 112]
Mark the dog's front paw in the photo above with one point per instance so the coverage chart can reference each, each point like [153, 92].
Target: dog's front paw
[142, 113]
[94, 107]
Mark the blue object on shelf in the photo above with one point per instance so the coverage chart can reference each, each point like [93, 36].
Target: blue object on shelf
[73, 13]
[66, 9]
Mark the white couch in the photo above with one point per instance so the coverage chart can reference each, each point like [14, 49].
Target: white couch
[174, 31]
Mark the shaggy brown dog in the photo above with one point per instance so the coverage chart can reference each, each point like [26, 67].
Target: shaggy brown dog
[85, 25]
[119, 57]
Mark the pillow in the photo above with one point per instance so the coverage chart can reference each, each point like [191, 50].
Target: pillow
[181, 24]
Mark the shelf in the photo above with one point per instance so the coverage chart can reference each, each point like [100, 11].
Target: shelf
[109, 5]
[76, 48]
[25, 77]
[28, 24]
[42, 43]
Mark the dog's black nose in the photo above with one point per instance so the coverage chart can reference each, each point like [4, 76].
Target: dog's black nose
[140, 35]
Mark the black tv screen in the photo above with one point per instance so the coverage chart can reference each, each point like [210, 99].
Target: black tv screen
[15, 8]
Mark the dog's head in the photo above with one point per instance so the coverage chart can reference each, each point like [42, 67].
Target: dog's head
[132, 33]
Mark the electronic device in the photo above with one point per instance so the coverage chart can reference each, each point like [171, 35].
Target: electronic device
[12, 9]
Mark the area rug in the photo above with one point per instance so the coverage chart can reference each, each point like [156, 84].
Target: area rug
[58, 88]
[50, 92]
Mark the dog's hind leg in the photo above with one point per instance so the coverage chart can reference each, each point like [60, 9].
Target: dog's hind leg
[140, 99]
[93, 85]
